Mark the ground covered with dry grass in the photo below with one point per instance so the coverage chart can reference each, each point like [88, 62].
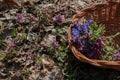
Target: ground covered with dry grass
[34, 45]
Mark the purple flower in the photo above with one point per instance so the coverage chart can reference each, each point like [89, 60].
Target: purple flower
[116, 56]
[56, 43]
[11, 44]
[58, 18]
[74, 38]
[75, 32]
[100, 42]
[89, 22]
[19, 17]
[80, 28]
[83, 29]
[95, 52]
[83, 41]
[32, 18]
[86, 28]
[30, 55]
[79, 41]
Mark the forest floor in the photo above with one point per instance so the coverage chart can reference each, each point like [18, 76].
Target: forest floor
[34, 46]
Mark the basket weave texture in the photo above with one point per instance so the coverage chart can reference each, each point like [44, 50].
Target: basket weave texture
[107, 13]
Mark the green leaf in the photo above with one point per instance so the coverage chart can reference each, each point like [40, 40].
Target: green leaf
[25, 72]
[113, 36]
[97, 30]
[24, 36]
[14, 33]
[108, 48]
[13, 51]
[2, 56]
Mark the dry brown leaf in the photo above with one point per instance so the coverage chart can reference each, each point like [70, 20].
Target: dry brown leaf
[8, 3]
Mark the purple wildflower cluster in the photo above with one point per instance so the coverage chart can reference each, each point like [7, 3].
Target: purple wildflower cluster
[116, 56]
[95, 49]
[56, 43]
[19, 18]
[81, 39]
[57, 19]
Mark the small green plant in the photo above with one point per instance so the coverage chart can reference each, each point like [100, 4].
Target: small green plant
[2, 56]
[14, 33]
[96, 31]
[25, 72]
[109, 48]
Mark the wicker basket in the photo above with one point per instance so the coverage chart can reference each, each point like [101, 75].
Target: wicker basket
[107, 13]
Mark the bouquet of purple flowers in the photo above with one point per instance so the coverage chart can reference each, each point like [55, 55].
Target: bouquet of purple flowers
[89, 39]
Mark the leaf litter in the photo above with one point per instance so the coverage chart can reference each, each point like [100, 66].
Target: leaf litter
[28, 31]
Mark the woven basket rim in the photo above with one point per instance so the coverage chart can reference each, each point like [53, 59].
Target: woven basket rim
[83, 11]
